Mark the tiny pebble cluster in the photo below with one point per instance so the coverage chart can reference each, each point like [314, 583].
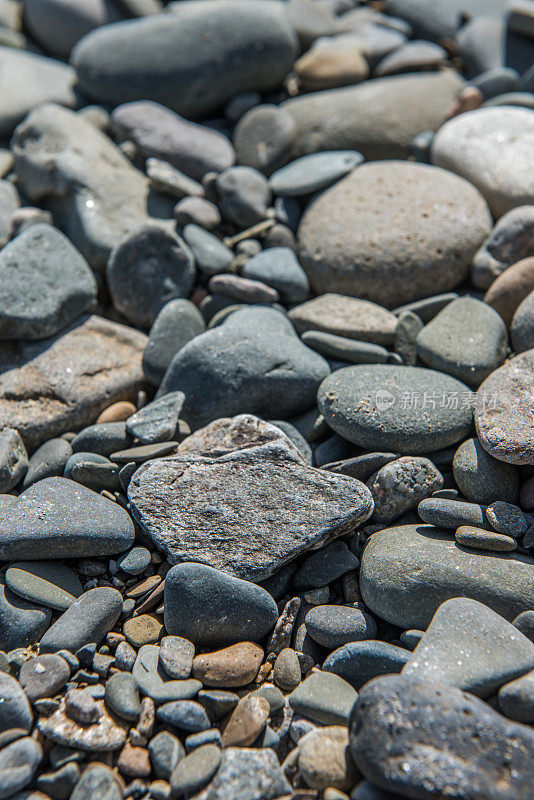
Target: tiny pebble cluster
[266, 399]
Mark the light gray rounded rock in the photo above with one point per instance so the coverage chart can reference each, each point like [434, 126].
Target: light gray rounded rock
[408, 571]
[227, 48]
[278, 267]
[407, 409]
[393, 232]
[493, 148]
[313, 173]
[334, 626]
[467, 339]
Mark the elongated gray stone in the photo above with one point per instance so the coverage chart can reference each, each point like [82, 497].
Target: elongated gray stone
[63, 383]
[87, 621]
[207, 52]
[246, 513]
[408, 571]
[58, 518]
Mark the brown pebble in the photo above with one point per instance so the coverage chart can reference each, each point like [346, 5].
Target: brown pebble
[145, 629]
[118, 412]
[246, 722]
[230, 667]
[81, 707]
[509, 290]
[134, 762]
[140, 589]
[484, 540]
[147, 717]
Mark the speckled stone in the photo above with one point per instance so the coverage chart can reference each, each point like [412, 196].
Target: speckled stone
[349, 317]
[479, 539]
[401, 485]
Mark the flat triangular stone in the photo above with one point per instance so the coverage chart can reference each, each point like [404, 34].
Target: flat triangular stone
[469, 646]
[247, 512]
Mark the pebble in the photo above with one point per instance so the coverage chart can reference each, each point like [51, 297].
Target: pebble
[176, 656]
[348, 317]
[197, 210]
[166, 751]
[159, 133]
[60, 782]
[253, 773]
[16, 711]
[242, 289]
[116, 64]
[471, 357]
[164, 495]
[521, 330]
[507, 518]
[40, 524]
[345, 350]
[177, 323]
[122, 696]
[246, 722]
[469, 646]
[138, 454]
[134, 561]
[324, 566]
[457, 726]
[484, 540]
[154, 682]
[48, 461]
[509, 242]
[87, 620]
[85, 368]
[449, 513]
[313, 173]
[168, 180]
[437, 569]
[324, 698]
[324, 759]
[156, 260]
[516, 699]
[43, 676]
[18, 764]
[195, 770]
[13, 459]
[334, 626]
[100, 781]
[229, 668]
[244, 195]
[502, 419]
[339, 242]
[482, 478]
[21, 623]
[186, 715]
[383, 407]
[279, 268]
[90, 728]
[411, 57]
[509, 289]
[401, 485]
[58, 26]
[143, 629]
[286, 670]
[331, 62]
[481, 147]
[211, 255]
[233, 610]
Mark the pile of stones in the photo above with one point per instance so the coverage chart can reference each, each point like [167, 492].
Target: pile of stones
[266, 400]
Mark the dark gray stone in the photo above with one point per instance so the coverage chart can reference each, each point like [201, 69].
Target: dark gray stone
[278, 267]
[21, 623]
[122, 696]
[361, 467]
[165, 751]
[227, 48]
[345, 350]
[408, 571]
[48, 461]
[57, 26]
[253, 773]
[400, 485]
[98, 781]
[46, 284]
[159, 133]
[134, 561]
[57, 518]
[469, 646]
[334, 626]
[244, 195]
[157, 421]
[233, 610]
[18, 764]
[211, 254]
[195, 770]
[186, 715]
[516, 699]
[482, 478]
[349, 317]
[13, 459]
[296, 438]
[429, 726]
[446, 513]
[43, 676]
[403, 408]
[91, 470]
[154, 681]
[16, 711]
[154, 260]
[177, 323]
[359, 662]
[263, 506]
[522, 331]
[313, 173]
[86, 621]
[103, 438]
[253, 363]
[324, 698]
[510, 241]
[397, 246]
[47, 583]
[324, 566]
[412, 57]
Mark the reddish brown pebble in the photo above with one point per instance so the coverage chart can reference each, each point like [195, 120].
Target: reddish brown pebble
[118, 412]
[230, 667]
